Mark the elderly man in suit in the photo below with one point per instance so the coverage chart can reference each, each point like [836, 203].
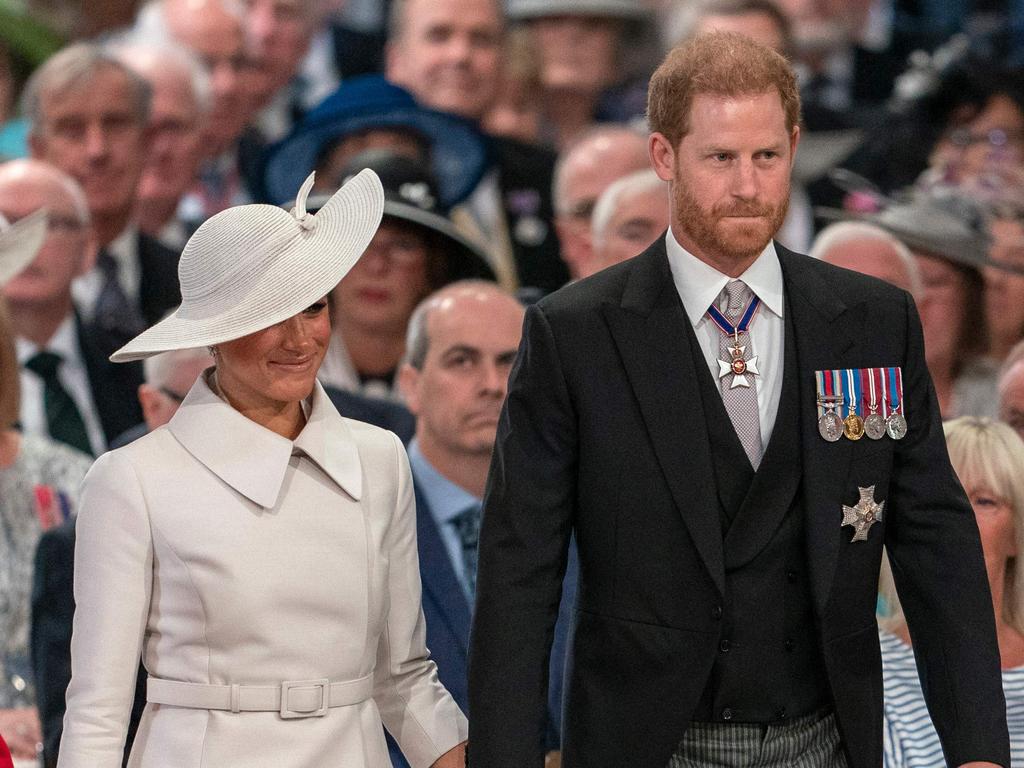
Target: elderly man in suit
[70, 390]
[462, 341]
[89, 117]
[732, 431]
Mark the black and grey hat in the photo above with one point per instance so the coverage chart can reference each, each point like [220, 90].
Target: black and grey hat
[523, 10]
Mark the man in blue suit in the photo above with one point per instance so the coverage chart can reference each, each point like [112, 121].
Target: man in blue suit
[460, 347]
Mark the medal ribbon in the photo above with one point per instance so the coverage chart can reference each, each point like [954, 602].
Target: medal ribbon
[895, 381]
[853, 396]
[727, 327]
[867, 387]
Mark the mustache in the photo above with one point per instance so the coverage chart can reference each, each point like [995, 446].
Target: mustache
[744, 209]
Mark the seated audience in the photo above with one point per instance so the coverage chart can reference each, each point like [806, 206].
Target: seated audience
[584, 170]
[461, 344]
[39, 481]
[870, 250]
[177, 120]
[988, 457]
[1011, 389]
[415, 251]
[89, 116]
[448, 54]
[1004, 290]
[70, 391]
[630, 215]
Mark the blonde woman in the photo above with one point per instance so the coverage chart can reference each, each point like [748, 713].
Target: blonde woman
[988, 457]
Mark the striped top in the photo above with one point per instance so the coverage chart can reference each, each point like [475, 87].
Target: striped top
[909, 736]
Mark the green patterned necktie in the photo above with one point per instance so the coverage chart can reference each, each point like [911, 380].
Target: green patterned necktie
[63, 419]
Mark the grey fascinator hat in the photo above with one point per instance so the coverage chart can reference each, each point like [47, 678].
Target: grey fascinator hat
[253, 266]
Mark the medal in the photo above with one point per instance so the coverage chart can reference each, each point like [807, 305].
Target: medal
[865, 513]
[738, 366]
[830, 423]
[896, 423]
[874, 422]
[853, 425]
[830, 426]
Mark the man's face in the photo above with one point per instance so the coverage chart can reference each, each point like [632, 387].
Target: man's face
[1011, 397]
[218, 39]
[871, 256]
[945, 290]
[578, 53]
[586, 173]
[458, 394]
[93, 133]
[175, 146]
[730, 176]
[278, 32]
[449, 54]
[65, 254]
[636, 223]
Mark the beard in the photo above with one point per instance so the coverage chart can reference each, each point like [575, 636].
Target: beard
[732, 240]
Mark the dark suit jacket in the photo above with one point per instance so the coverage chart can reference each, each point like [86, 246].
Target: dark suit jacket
[602, 435]
[447, 613]
[159, 291]
[114, 386]
[524, 176]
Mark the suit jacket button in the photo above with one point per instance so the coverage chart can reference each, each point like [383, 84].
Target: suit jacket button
[780, 713]
[791, 576]
[790, 645]
[724, 646]
[716, 612]
[727, 714]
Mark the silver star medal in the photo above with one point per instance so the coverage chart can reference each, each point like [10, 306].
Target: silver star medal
[738, 367]
[864, 514]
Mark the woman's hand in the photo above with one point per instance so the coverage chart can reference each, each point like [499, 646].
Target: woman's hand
[21, 731]
[453, 758]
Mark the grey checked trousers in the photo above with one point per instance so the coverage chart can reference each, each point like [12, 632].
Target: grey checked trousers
[805, 742]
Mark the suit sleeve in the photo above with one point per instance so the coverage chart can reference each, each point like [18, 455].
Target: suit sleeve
[527, 522]
[113, 584]
[416, 709]
[935, 551]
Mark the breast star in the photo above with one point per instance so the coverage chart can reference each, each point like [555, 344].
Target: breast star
[864, 514]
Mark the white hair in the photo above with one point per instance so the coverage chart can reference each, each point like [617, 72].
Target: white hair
[584, 140]
[843, 232]
[158, 369]
[147, 56]
[631, 185]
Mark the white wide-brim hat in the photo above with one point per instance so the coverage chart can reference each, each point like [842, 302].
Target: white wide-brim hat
[20, 242]
[253, 266]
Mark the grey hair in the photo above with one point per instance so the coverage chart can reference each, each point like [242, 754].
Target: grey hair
[843, 232]
[73, 66]
[147, 56]
[396, 18]
[158, 369]
[609, 130]
[683, 18]
[630, 185]
[417, 340]
[67, 182]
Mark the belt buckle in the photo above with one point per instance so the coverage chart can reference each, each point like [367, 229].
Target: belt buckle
[325, 692]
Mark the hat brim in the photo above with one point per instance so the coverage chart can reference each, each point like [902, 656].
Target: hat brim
[458, 154]
[20, 243]
[302, 274]
[971, 253]
[465, 258]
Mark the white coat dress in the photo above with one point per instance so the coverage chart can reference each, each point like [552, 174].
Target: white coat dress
[223, 553]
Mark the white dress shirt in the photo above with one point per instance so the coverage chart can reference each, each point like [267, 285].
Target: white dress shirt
[700, 284]
[73, 377]
[86, 289]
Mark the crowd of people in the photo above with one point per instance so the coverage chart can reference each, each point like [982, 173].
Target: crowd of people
[511, 141]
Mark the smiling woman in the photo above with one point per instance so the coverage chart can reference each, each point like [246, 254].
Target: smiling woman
[258, 551]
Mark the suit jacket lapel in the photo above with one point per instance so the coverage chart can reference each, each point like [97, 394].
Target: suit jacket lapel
[649, 327]
[438, 576]
[825, 333]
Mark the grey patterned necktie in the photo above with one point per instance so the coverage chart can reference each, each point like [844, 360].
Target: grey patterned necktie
[740, 402]
[114, 311]
[467, 525]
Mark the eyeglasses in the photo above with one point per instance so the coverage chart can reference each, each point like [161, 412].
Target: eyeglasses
[996, 137]
[55, 222]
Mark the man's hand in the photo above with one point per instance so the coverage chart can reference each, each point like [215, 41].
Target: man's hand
[21, 731]
[453, 758]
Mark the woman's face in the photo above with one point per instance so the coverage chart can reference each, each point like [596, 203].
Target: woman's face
[380, 292]
[275, 366]
[1004, 291]
[942, 301]
[995, 524]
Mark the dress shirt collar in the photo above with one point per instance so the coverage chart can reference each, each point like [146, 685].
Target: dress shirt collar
[251, 458]
[64, 342]
[699, 284]
[445, 499]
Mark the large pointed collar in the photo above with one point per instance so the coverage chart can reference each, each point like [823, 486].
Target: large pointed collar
[251, 458]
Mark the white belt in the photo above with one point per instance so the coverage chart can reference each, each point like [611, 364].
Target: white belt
[291, 699]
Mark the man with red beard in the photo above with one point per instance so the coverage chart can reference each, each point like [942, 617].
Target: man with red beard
[731, 432]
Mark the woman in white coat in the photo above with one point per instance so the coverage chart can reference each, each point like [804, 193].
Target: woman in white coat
[259, 551]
